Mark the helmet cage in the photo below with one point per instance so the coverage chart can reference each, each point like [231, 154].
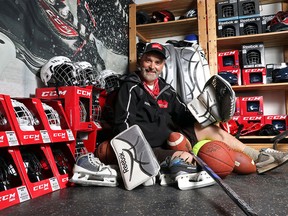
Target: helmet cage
[52, 117]
[253, 57]
[228, 31]
[228, 11]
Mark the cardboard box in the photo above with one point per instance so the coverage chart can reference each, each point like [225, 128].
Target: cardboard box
[254, 76]
[228, 28]
[227, 10]
[248, 8]
[252, 106]
[280, 122]
[253, 55]
[248, 26]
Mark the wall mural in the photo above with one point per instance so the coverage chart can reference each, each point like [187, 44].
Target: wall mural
[33, 31]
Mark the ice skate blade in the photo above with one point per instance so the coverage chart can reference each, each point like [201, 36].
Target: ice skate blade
[89, 180]
[193, 181]
[166, 180]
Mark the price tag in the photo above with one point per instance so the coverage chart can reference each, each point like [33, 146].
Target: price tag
[23, 193]
[45, 136]
[54, 184]
[12, 139]
[70, 135]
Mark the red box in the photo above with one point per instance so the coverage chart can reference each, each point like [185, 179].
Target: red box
[251, 106]
[77, 103]
[34, 132]
[62, 162]
[254, 76]
[45, 184]
[237, 107]
[7, 131]
[228, 60]
[232, 126]
[17, 191]
[280, 122]
[252, 124]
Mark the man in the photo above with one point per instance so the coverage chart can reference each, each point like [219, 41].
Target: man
[147, 100]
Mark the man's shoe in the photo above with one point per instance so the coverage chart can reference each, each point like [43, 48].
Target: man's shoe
[270, 159]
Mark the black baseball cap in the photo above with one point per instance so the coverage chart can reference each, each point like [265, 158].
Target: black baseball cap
[155, 47]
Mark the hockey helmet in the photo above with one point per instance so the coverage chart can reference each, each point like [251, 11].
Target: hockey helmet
[279, 22]
[52, 117]
[228, 60]
[268, 130]
[253, 57]
[5, 183]
[83, 112]
[248, 8]
[111, 80]
[62, 162]
[142, 18]
[189, 14]
[24, 117]
[256, 78]
[86, 73]
[280, 75]
[228, 10]
[3, 120]
[230, 77]
[250, 28]
[59, 71]
[228, 31]
[32, 166]
[162, 16]
[191, 38]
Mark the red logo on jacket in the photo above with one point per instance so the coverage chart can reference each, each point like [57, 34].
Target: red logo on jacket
[162, 103]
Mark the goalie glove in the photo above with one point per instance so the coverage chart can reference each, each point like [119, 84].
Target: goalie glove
[216, 102]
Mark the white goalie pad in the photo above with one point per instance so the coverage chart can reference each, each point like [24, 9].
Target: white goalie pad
[216, 103]
[136, 159]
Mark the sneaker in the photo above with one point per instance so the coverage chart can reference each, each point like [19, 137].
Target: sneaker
[270, 159]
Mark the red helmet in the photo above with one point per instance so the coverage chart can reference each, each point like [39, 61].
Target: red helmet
[162, 16]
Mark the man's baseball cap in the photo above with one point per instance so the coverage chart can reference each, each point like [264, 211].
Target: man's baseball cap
[155, 47]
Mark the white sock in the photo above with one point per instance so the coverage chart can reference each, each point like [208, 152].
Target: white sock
[253, 153]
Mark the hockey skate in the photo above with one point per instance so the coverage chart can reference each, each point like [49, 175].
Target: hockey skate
[89, 171]
[185, 175]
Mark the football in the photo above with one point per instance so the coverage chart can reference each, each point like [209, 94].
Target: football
[179, 142]
[105, 153]
[243, 163]
[218, 156]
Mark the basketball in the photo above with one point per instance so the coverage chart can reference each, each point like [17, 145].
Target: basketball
[105, 153]
[243, 163]
[218, 156]
[177, 141]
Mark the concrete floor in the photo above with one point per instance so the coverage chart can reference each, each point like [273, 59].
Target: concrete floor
[267, 194]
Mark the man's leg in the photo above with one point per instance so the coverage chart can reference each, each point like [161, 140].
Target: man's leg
[265, 159]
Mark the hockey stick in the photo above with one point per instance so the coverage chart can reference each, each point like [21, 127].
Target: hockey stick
[228, 190]
[278, 138]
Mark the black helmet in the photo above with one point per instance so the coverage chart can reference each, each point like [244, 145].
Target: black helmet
[142, 18]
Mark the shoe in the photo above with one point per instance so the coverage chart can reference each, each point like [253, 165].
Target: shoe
[270, 159]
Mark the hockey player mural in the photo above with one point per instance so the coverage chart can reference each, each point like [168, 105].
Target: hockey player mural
[82, 30]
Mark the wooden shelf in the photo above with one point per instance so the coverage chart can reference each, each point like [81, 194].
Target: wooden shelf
[168, 29]
[271, 39]
[264, 1]
[262, 87]
[178, 8]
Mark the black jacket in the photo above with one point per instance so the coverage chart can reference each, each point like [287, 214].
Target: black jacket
[136, 106]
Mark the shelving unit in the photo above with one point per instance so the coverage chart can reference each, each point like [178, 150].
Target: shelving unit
[150, 31]
[273, 39]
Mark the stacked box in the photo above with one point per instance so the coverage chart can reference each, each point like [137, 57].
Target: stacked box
[248, 8]
[248, 26]
[227, 10]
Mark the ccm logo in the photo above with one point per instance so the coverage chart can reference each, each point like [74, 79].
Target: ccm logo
[226, 53]
[83, 92]
[53, 93]
[34, 137]
[63, 135]
[1, 138]
[44, 187]
[252, 118]
[251, 98]
[276, 117]
[10, 197]
[65, 179]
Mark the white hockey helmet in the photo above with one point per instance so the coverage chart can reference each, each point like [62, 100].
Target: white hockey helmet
[59, 71]
[110, 79]
[52, 117]
[24, 117]
[86, 73]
